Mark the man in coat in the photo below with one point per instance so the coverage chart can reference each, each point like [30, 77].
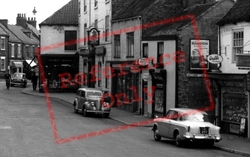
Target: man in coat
[34, 79]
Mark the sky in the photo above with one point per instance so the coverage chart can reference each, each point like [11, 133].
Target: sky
[45, 8]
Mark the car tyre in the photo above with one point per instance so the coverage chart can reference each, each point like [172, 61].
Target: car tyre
[75, 109]
[156, 136]
[106, 115]
[85, 113]
[178, 141]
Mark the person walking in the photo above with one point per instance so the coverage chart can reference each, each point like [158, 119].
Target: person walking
[34, 79]
[7, 78]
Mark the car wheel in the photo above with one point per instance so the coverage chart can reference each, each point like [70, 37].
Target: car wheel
[85, 113]
[75, 109]
[178, 141]
[156, 136]
[106, 115]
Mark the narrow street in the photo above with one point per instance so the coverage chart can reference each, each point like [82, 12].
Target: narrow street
[26, 131]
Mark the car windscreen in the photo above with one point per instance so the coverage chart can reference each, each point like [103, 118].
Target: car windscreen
[200, 117]
[94, 94]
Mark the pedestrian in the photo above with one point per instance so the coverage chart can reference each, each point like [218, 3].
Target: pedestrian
[34, 79]
[7, 78]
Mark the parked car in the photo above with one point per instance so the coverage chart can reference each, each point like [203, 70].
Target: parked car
[90, 100]
[18, 79]
[183, 125]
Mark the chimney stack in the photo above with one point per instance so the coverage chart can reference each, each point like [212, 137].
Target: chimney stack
[21, 20]
[4, 22]
[32, 21]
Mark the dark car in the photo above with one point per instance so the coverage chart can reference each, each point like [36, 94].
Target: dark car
[89, 100]
[18, 79]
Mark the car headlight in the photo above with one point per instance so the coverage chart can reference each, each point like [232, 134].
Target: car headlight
[92, 104]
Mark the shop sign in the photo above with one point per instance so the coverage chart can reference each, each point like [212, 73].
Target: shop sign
[100, 51]
[93, 37]
[134, 69]
[146, 77]
[234, 128]
[243, 60]
[84, 52]
[214, 59]
[142, 61]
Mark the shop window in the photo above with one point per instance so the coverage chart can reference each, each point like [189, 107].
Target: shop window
[238, 37]
[145, 50]
[160, 51]
[130, 44]
[70, 40]
[2, 43]
[3, 65]
[123, 86]
[117, 46]
[106, 28]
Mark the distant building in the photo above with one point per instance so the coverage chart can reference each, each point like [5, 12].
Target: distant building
[59, 56]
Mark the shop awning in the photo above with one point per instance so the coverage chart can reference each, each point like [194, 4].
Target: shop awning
[18, 64]
[31, 62]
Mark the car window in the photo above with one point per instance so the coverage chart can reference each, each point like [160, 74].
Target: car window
[200, 117]
[78, 92]
[93, 94]
[173, 115]
[83, 93]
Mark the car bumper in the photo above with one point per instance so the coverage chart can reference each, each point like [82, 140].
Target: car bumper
[98, 111]
[194, 137]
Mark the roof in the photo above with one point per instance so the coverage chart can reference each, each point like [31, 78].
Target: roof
[67, 15]
[173, 11]
[18, 31]
[12, 37]
[187, 110]
[2, 31]
[238, 13]
[33, 29]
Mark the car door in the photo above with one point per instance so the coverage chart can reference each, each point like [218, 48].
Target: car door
[80, 99]
[164, 124]
[171, 117]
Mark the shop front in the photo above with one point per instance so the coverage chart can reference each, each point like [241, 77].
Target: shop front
[233, 103]
[159, 82]
[16, 66]
[60, 72]
[125, 87]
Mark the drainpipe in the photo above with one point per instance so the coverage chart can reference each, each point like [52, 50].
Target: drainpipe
[219, 47]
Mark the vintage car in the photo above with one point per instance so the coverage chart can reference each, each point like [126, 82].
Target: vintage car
[18, 79]
[91, 100]
[183, 125]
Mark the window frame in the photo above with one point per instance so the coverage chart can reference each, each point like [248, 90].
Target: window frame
[107, 27]
[12, 51]
[72, 37]
[19, 54]
[95, 4]
[3, 43]
[3, 62]
[145, 50]
[160, 51]
[237, 48]
[117, 46]
[130, 44]
[84, 6]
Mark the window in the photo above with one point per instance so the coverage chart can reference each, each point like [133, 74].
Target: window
[84, 6]
[3, 64]
[19, 55]
[106, 28]
[96, 23]
[145, 49]
[79, 7]
[160, 51]
[85, 34]
[12, 50]
[130, 44]
[2, 43]
[237, 44]
[70, 40]
[96, 3]
[117, 46]
[106, 1]
[99, 74]
[27, 51]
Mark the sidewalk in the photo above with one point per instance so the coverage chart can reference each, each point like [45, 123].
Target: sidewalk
[229, 143]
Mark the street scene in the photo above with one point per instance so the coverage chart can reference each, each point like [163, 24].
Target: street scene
[26, 131]
[125, 78]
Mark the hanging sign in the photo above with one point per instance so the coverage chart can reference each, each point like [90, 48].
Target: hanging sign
[214, 59]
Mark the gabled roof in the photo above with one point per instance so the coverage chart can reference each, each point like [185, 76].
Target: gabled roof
[18, 31]
[67, 15]
[171, 12]
[12, 37]
[34, 30]
[238, 13]
[2, 31]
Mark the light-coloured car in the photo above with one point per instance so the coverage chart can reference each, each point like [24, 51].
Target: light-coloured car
[91, 100]
[18, 79]
[182, 125]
